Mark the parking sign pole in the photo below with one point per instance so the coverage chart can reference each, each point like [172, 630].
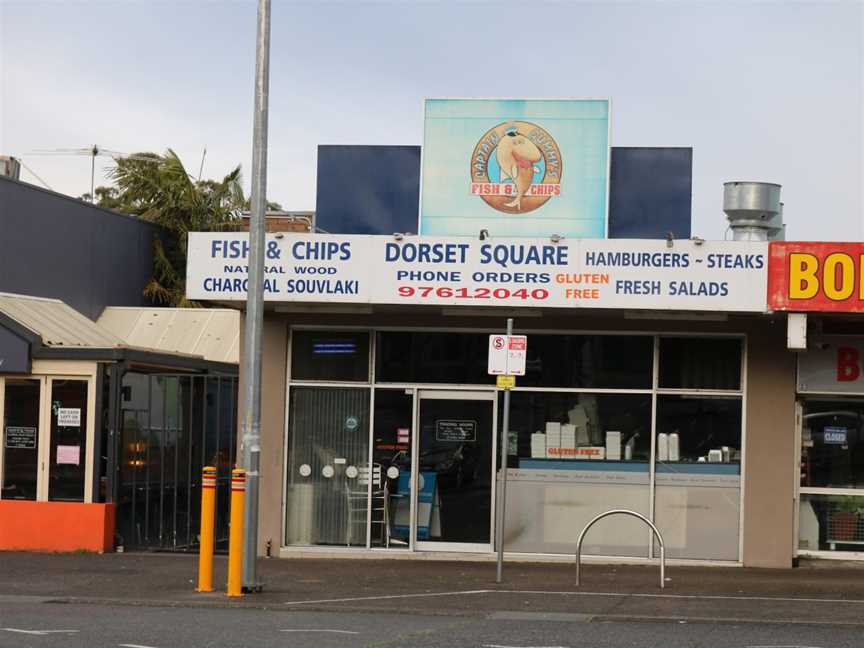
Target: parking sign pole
[502, 482]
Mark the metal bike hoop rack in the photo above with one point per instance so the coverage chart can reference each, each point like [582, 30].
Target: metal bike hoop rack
[632, 514]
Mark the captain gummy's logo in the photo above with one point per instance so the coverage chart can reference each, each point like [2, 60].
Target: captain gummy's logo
[516, 167]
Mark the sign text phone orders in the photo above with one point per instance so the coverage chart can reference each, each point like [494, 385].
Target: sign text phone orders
[507, 355]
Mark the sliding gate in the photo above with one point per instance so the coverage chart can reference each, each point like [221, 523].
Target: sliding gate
[170, 427]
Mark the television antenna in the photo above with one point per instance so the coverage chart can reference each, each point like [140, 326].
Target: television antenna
[93, 152]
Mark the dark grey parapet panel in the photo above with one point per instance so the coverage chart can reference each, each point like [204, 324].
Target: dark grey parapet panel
[52, 245]
[375, 190]
[650, 192]
[368, 189]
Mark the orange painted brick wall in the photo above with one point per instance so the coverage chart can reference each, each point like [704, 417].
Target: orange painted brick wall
[56, 526]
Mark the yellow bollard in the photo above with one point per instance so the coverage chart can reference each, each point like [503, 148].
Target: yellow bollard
[208, 526]
[235, 536]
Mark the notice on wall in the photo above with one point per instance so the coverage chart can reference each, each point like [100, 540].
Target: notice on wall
[466, 271]
[69, 455]
[69, 417]
[458, 431]
[23, 438]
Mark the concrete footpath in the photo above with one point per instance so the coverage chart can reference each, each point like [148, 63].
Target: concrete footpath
[817, 592]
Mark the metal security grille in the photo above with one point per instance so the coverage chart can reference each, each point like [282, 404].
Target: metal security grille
[170, 427]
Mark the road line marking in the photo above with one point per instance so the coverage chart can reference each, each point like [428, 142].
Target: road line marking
[690, 596]
[707, 597]
[351, 632]
[386, 597]
[39, 632]
[784, 646]
[134, 646]
[502, 646]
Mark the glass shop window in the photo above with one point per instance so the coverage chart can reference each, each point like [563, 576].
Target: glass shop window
[700, 363]
[698, 467]
[577, 456]
[328, 468]
[391, 464]
[68, 440]
[330, 355]
[831, 522]
[832, 445]
[557, 426]
[601, 361]
[20, 439]
[698, 429]
[421, 357]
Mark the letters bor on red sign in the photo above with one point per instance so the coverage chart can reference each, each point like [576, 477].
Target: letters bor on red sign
[848, 364]
[804, 276]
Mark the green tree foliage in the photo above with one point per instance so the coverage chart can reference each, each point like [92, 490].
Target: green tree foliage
[158, 188]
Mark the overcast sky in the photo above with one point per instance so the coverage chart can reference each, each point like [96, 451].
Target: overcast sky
[766, 91]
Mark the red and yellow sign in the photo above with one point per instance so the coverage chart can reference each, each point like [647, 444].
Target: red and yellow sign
[816, 276]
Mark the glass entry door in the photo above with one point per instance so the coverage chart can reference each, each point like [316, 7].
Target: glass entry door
[455, 486]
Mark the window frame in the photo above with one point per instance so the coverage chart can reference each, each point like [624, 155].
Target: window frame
[46, 372]
[654, 390]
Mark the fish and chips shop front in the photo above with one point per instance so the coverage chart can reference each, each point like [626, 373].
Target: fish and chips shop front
[656, 380]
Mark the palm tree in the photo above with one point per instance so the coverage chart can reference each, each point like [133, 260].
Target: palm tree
[158, 188]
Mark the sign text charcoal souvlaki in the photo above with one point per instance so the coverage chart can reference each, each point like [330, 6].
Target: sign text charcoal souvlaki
[463, 271]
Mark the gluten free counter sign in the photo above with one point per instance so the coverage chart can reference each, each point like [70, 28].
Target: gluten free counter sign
[805, 276]
[453, 271]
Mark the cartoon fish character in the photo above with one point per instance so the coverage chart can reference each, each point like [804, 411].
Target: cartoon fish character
[516, 155]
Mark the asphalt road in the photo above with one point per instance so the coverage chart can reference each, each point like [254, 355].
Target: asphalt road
[28, 623]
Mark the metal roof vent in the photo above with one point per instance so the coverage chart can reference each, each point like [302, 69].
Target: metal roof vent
[754, 210]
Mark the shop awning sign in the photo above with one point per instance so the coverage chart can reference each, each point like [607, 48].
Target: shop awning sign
[685, 275]
[816, 276]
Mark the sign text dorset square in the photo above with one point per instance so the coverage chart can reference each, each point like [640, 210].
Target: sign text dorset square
[465, 271]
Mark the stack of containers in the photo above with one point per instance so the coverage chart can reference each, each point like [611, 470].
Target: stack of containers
[553, 437]
[568, 436]
[613, 446]
[538, 445]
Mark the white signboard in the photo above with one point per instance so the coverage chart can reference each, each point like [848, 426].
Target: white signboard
[507, 355]
[462, 271]
[835, 366]
[69, 417]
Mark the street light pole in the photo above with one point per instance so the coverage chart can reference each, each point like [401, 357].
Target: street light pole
[250, 440]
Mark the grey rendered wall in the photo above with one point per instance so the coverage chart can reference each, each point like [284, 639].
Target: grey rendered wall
[769, 476]
[274, 374]
[56, 246]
